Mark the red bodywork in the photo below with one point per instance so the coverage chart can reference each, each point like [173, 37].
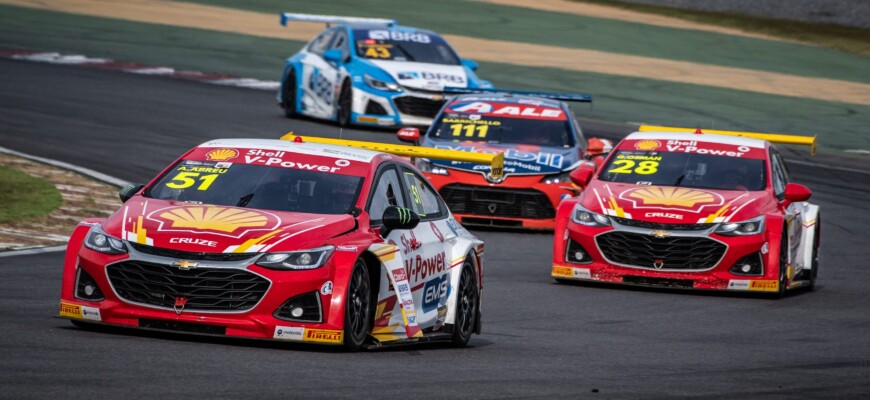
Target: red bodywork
[652, 209]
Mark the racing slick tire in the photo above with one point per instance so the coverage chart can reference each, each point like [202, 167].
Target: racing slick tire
[783, 265]
[814, 272]
[288, 94]
[358, 309]
[345, 103]
[468, 303]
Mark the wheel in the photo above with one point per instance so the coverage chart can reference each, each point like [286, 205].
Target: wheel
[288, 95]
[345, 98]
[358, 310]
[814, 272]
[783, 265]
[468, 303]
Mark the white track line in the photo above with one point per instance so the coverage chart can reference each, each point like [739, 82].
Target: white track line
[37, 250]
[60, 164]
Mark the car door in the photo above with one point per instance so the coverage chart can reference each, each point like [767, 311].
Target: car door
[792, 211]
[319, 76]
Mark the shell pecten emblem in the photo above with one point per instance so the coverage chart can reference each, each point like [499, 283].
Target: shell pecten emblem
[647, 145]
[221, 219]
[664, 197]
[222, 154]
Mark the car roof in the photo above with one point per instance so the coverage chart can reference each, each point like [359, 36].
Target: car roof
[398, 28]
[509, 98]
[702, 137]
[314, 149]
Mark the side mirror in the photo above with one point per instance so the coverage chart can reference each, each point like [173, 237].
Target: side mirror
[333, 55]
[129, 191]
[796, 193]
[398, 218]
[581, 176]
[470, 64]
[411, 135]
[598, 147]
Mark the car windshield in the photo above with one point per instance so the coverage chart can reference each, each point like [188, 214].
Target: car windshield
[395, 45]
[685, 169]
[504, 123]
[257, 186]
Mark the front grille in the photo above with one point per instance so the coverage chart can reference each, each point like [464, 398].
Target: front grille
[497, 202]
[499, 223]
[418, 106]
[206, 289]
[186, 255]
[668, 227]
[646, 251]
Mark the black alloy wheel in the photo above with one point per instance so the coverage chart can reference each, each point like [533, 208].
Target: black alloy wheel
[467, 306]
[814, 272]
[783, 264]
[288, 95]
[358, 310]
[344, 104]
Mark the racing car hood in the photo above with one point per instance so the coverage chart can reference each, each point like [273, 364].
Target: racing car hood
[423, 75]
[673, 205]
[221, 229]
[519, 159]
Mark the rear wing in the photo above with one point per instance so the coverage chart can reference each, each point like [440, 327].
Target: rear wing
[770, 137]
[575, 97]
[495, 161]
[334, 19]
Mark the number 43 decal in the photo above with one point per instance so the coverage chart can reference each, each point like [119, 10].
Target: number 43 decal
[185, 180]
[628, 167]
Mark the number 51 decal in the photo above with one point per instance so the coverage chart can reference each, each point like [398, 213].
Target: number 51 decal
[185, 180]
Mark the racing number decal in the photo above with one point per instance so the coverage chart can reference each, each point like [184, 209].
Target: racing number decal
[628, 167]
[377, 52]
[469, 130]
[185, 180]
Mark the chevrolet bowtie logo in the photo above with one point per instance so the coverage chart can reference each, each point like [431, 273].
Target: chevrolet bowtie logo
[184, 264]
[660, 233]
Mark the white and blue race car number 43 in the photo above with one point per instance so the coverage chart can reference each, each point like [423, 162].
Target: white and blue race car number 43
[368, 71]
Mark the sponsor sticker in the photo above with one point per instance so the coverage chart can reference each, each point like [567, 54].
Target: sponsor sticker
[582, 273]
[323, 336]
[738, 284]
[326, 289]
[80, 312]
[764, 286]
[563, 271]
[352, 249]
[289, 333]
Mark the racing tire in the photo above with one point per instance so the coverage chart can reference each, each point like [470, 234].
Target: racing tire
[358, 308]
[814, 271]
[467, 306]
[344, 105]
[288, 94]
[783, 265]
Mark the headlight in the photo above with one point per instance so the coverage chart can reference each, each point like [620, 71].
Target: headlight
[425, 165]
[381, 85]
[557, 178]
[751, 227]
[583, 216]
[98, 240]
[302, 259]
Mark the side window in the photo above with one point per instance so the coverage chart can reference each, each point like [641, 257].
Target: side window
[387, 192]
[779, 175]
[321, 43]
[340, 42]
[424, 200]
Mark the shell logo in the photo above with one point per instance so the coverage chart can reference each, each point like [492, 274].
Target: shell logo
[647, 145]
[219, 219]
[674, 197]
[222, 154]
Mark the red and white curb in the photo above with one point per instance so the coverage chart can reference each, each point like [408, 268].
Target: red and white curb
[136, 68]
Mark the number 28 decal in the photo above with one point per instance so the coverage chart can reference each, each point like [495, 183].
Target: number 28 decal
[630, 167]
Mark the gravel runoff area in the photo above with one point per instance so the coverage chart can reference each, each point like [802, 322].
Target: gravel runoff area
[841, 12]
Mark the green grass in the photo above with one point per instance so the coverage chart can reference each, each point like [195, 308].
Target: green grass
[492, 21]
[25, 197]
[850, 39]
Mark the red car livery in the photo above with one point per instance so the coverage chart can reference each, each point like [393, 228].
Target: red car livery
[689, 210]
[276, 239]
[541, 141]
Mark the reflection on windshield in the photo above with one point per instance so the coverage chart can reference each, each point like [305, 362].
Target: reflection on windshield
[503, 130]
[261, 187]
[404, 46]
[685, 169]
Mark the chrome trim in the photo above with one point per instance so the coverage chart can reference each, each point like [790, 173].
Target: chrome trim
[644, 231]
[150, 258]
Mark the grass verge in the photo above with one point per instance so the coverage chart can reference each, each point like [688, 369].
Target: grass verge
[24, 196]
[850, 39]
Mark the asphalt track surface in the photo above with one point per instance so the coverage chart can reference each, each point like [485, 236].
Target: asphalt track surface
[540, 339]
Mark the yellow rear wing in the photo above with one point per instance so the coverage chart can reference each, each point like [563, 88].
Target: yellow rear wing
[495, 161]
[770, 137]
